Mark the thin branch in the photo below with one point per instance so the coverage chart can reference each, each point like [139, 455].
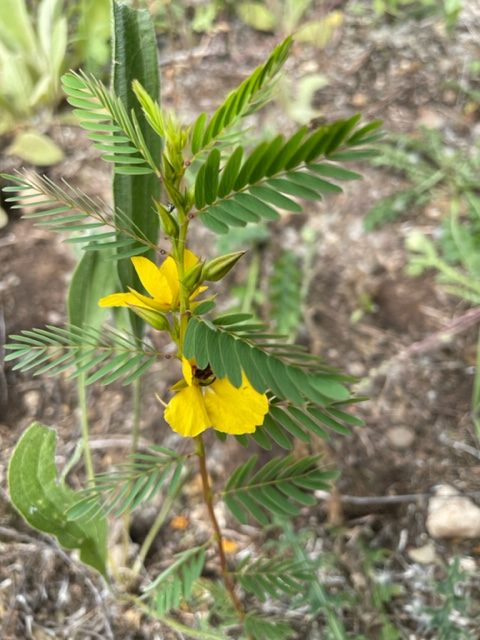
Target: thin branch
[439, 338]
[397, 499]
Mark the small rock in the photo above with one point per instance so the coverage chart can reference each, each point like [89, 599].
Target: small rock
[32, 401]
[400, 437]
[430, 118]
[451, 515]
[468, 564]
[3, 218]
[423, 555]
[359, 100]
[356, 369]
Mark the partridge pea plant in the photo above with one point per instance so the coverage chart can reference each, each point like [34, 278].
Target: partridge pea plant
[235, 377]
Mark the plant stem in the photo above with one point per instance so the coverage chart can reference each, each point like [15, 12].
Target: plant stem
[171, 622]
[82, 404]
[154, 529]
[136, 392]
[137, 396]
[476, 393]
[252, 283]
[208, 498]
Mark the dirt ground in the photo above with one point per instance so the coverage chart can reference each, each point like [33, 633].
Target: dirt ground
[418, 431]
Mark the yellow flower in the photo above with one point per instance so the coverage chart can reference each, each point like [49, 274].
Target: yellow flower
[202, 401]
[160, 282]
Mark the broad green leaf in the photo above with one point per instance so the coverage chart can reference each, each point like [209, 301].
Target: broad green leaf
[135, 55]
[93, 278]
[43, 500]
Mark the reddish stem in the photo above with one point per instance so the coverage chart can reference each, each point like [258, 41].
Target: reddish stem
[208, 498]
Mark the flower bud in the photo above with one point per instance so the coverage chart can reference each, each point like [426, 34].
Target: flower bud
[217, 268]
[193, 277]
[154, 318]
[169, 223]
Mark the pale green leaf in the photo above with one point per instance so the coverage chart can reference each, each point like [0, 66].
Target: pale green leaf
[43, 500]
[36, 148]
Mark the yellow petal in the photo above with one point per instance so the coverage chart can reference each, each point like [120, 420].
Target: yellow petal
[190, 259]
[187, 371]
[139, 300]
[232, 410]
[168, 270]
[186, 413]
[198, 291]
[152, 279]
[118, 300]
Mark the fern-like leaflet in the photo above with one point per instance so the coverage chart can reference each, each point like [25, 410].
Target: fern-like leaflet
[103, 355]
[133, 483]
[287, 369]
[113, 130]
[176, 583]
[276, 174]
[305, 396]
[285, 293]
[248, 97]
[66, 209]
[272, 577]
[261, 628]
[277, 488]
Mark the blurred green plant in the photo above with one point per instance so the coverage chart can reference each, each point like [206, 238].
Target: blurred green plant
[187, 17]
[32, 58]
[35, 51]
[448, 10]
[89, 42]
[434, 172]
[332, 608]
[444, 177]
[328, 609]
[380, 590]
[455, 256]
[454, 612]
[283, 299]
